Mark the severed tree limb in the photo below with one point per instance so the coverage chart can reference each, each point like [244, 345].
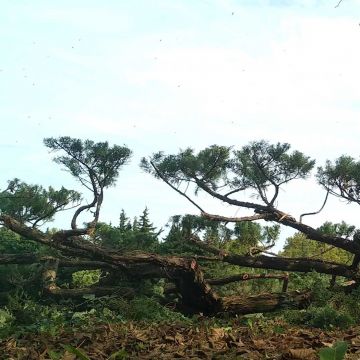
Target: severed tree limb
[287, 220]
[173, 187]
[30, 258]
[279, 263]
[267, 213]
[265, 302]
[234, 219]
[96, 290]
[240, 277]
[246, 277]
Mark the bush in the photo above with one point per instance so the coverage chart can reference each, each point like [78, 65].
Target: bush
[321, 317]
[318, 283]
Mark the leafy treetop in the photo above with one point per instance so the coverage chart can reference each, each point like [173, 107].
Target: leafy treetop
[341, 178]
[259, 166]
[34, 204]
[95, 165]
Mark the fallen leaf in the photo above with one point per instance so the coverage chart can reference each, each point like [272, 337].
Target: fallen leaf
[260, 344]
[302, 354]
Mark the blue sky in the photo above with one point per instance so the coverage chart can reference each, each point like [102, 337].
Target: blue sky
[163, 75]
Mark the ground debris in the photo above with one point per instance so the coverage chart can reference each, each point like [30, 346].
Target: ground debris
[179, 341]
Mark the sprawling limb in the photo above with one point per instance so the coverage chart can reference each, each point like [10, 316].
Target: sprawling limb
[278, 263]
[287, 220]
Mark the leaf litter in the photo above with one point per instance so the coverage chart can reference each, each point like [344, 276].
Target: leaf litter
[178, 341]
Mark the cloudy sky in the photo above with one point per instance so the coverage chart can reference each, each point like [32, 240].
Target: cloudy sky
[168, 74]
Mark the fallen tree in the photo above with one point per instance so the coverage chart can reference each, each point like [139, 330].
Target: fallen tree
[24, 208]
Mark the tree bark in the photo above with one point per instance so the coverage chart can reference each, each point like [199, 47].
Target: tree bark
[265, 302]
[127, 293]
[245, 277]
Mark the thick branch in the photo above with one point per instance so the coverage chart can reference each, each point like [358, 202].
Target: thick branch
[25, 231]
[30, 258]
[173, 187]
[283, 264]
[89, 206]
[245, 277]
[234, 219]
[264, 302]
[97, 291]
[287, 220]
[314, 234]
[226, 199]
[272, 214]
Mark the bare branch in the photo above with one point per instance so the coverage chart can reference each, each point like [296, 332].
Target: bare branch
[235, 191]
[173, 187]
[338, 4]
[316, 212]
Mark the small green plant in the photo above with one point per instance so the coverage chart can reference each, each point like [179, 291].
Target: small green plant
[73, 350]
[326, 318]
[336, 352]
[148, 309]
[120, 355]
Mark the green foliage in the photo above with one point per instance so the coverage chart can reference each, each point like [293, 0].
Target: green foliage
[34, 204]
[330, 308]
[260, 165]
[299, 246]
[124, 222]
[210, 165]
[149, 309]
[23, 314]
[341, 178]
[90, 161]
[12, 243]
[27, 315]
[17, 277]
[318, 283]
[237, 239]
[347, 303]
[120, 355]
[73, 350]
[6, 318]
[257, 166]
[336, 352]
[261, 325]
[325, 317]
[141, 235]
[339, 229]
[85, 278]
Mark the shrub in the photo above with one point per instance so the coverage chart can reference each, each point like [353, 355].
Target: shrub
[321, 317]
